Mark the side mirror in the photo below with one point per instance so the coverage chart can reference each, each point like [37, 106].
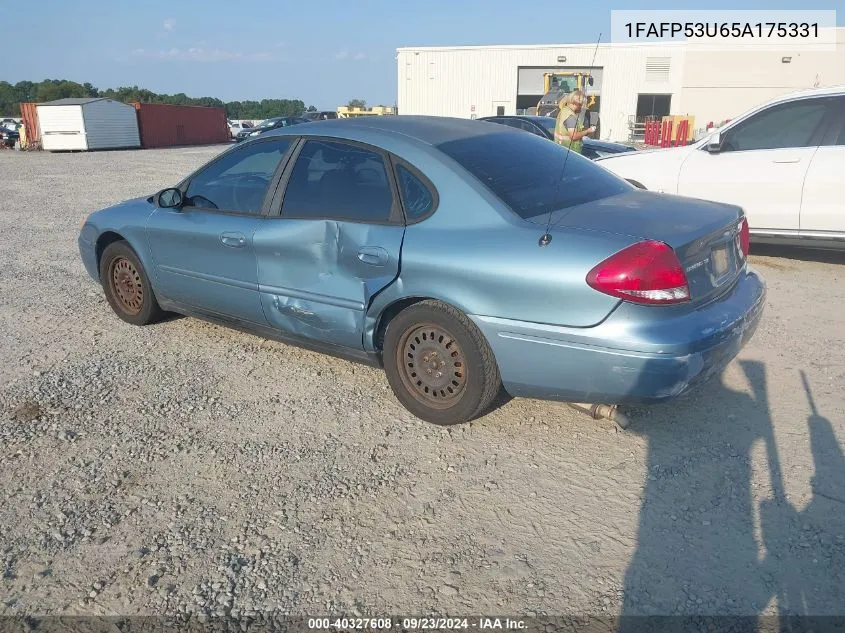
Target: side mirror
[170, 198]
[589, 81]
[714, 143]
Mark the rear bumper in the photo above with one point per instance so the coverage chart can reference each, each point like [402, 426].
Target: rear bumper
[638, 355]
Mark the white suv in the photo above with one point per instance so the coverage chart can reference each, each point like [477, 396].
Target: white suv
[237, 126]
[783, 162]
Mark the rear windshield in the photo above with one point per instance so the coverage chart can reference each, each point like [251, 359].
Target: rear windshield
[524, 170]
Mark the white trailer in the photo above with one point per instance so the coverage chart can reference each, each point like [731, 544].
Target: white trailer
[87, 124]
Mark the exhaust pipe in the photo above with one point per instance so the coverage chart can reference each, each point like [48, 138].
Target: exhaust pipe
[603, 411]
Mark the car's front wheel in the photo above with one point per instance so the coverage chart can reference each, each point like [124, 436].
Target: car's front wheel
[126, 285]
[439, 364]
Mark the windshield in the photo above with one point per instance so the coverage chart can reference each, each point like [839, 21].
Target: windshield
[267, 123]
[566, 84]
[524, 171]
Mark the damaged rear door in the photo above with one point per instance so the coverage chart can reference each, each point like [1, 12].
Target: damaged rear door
[334, 243]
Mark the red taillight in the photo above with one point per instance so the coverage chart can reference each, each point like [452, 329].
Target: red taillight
[646, 272]
[744, 237]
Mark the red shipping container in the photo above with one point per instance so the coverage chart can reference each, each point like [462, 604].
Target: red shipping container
[164, 125]
[29, 114]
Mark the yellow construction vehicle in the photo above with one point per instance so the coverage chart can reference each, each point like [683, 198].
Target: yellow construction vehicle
[567, 82]
[559, 83]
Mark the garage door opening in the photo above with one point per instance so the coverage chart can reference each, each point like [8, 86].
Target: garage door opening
[653, 107]
[526, 102]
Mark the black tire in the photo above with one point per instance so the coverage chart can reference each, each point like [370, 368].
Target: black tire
[461, 376]
[126, 285]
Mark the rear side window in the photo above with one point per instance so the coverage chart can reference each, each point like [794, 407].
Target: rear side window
[527, 172]
[339, 181]
[416, 197]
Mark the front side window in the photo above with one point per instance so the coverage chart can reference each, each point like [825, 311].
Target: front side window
[238, 181]
[783, 126]
[338, 181]
[530, 174]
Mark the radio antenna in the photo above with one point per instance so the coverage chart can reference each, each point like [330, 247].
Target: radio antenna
[546, 238]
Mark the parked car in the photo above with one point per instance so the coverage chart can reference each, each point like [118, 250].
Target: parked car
[9, 136]
[236, 127]
[782, 162]
[452, 253]
[267, 125]
[545, 126]
[322, 115]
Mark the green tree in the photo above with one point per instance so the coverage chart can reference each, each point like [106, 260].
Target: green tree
[357, 103]
[51, 89]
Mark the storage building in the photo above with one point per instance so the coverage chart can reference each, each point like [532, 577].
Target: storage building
[87, 124]
[166, 125]
[634, 81]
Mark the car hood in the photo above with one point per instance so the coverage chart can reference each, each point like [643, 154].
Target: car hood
[141, 203]
[131, 211]
[644, 152]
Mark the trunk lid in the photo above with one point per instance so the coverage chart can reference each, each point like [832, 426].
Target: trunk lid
[703, 234]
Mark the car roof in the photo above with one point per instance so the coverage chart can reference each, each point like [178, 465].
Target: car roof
[432, 130]
[830, 91]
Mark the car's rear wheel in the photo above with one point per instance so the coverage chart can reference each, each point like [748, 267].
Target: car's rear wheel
[439, 364]
[126, 285]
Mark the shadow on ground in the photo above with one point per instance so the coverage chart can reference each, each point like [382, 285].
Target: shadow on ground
[706, 544]
[801, 254]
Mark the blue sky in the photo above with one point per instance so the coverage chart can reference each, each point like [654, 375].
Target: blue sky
[324, 52]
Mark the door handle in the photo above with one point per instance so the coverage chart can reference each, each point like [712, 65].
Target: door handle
[787, 160]
[374, 255]
[235, 240]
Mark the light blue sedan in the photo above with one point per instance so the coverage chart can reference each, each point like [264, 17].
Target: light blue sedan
[460, 256]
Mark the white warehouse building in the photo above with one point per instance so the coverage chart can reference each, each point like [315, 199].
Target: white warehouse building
[634, 81]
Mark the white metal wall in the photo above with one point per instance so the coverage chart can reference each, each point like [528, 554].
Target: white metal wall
[723, 85]
[111, 125]
[463, 81]
[709, 85]
[62, 127]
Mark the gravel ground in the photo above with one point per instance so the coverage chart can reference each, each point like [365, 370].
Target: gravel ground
[185, 467]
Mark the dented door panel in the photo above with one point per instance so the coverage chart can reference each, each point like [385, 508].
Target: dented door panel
[317, 277]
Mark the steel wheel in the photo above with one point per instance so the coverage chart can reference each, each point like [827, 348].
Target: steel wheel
[126, 285]
[433, 366]
[438, 363]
